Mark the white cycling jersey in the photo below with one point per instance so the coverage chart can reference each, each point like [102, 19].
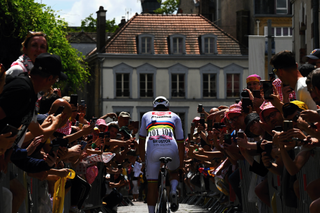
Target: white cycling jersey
[159, 128]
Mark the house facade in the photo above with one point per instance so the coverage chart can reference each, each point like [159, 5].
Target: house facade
[185, 58]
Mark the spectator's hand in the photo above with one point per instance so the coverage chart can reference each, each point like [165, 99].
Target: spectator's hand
[310, 142]
[75, 149]
[34, 144]
[286, 92]
[242, 142]
[58, 91]
[295, 133]
[275, 97]
[266, 160]
[264, 142]
[302, 124]
[113, 116]
[87, 129]
[310, 116]
[279, 138]
[51, 161]
[6, 142]
[231, 147]
[63, 172]
[62, 152]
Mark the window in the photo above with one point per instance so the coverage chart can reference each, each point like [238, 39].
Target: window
[177, 44]
[178, 78]
[233, 85]
[278, 31]
[122, 85]
[122, 77]
[146, 81]
[146, 85]
[177, 85]
[282, 7]
[209, 44]
[209, 86]
[183, 113]
[145, 44]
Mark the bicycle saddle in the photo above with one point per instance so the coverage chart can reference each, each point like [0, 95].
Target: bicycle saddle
[165, 159]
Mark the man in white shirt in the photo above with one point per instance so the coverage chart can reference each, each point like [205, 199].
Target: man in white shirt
[286, 69]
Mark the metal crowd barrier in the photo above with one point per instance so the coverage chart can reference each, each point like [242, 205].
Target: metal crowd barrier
[245, 179]
[37, 199]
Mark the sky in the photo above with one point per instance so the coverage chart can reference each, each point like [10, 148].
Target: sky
[73, 11]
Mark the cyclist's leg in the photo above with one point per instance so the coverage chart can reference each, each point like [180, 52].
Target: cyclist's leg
[173, 167]
[152, 171]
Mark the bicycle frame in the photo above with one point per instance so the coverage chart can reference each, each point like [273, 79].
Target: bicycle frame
[162, 204]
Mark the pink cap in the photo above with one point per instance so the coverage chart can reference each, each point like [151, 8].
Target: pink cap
[265, 106]
[234, 109]
[253, 77]
[101, 122]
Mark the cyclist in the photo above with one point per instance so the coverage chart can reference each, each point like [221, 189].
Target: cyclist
[156, 139]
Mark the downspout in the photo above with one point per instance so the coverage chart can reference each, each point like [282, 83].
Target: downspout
[258, 26]
[315, 23]
[101, 85]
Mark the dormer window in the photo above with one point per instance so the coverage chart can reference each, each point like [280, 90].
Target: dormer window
[178, 44]
[145, 44]
[209, 44]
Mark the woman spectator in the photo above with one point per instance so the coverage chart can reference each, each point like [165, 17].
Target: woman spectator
[33, 45]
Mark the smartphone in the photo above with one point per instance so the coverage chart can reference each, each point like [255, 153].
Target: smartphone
[74, 99]
[245, 94]
[54, 147]
[227, 138]
[287, 125]
[218, 125]
[267, 89]
[93, 120]
[89, 137]
[256, 93]
[101, 134]
[192, 124]
[59, 110]
[119, 136]
[268, 148]
[245, 103]
[200, 108]
[202, 121]
[83, 103]
[192, 143]
[202, 115]
[189, 137]
[278, 128]
[209, 122]
[9, 128]
[240, 134]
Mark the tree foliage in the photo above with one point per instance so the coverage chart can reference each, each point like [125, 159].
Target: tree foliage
[18, 17]
[89, 24]
[167, 6]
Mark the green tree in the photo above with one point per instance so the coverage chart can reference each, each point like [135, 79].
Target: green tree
[168, 6]
[18, 17]
[89, 24]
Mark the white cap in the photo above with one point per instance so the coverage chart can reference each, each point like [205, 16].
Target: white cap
[160, 100]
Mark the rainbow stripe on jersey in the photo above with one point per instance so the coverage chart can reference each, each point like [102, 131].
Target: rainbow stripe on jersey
[160, 124]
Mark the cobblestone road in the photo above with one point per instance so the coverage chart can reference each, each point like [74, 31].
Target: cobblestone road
[140, 207]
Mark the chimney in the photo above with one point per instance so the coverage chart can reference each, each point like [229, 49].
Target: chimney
[123, 22]
[101, 29]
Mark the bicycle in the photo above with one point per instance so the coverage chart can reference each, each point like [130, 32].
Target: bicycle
[163, 204]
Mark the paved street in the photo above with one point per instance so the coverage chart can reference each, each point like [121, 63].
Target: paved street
[140, 207]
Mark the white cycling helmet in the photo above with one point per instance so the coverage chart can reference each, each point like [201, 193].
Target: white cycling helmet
[160, 100]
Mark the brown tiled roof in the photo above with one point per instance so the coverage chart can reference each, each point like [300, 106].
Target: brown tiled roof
[162, 26]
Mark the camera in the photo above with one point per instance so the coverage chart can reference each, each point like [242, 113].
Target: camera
[218, 125]
[287, 125]
[267, 89]
[245, 94]
[227, 138]
[240, 134]
[245, 103]
[200, 108]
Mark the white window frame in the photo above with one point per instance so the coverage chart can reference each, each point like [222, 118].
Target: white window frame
[275, 30]
[140, 38]
[122, 84]
[147, 69]
[178, 69]
[203, 44]
[177, 36]
[233, 69]
[282, 8]
[210, 69]
[122, 69]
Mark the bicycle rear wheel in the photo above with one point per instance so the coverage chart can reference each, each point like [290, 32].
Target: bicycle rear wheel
[162, 201]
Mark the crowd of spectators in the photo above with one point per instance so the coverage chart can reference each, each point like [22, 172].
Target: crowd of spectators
[272, 118]
[46, 134]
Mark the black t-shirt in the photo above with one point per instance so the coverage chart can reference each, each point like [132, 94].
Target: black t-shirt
[18, 103]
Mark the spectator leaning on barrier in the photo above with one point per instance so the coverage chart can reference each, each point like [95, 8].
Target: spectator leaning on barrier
[286, 68]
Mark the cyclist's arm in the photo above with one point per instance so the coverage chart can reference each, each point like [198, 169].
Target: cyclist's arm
[180, 140]
[142, 139]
